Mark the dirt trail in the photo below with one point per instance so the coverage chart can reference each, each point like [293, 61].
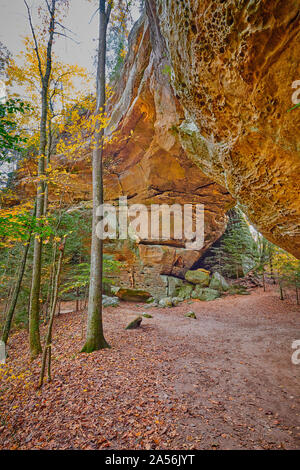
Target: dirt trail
[224, 380]
[235, 370]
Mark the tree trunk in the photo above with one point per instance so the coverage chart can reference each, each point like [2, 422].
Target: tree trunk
[48, 339]
[281, 291]
[77, 300]
[34, 308]
[16, 291]
[94, 336]
[46, 192]
[264, 280]
[85, 298]
[51, 281]
[8, 300]
[11, 290]
[271, 266]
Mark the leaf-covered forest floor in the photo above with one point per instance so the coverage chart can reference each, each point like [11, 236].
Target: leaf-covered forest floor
[222, 381]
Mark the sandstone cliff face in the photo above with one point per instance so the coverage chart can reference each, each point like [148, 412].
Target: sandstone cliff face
[148, 164]
[233, 64]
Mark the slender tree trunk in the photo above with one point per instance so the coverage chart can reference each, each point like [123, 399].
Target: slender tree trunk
[77, 300]
[82, 323]
[264, 280]
[3, 276]
[297, 293]
[46, 197]
[8, 300]
[281, 291]
[46, 192]
[94, 336]
[48, 339]
[51, 284]
[16, 292]
[34, 308]
[17, 287]
[52, 278]
[271, 267]
[85, 298]
[12, 286]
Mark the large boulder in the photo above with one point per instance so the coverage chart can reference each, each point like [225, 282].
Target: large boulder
[134, 324]
[218, 283]
[205, 294]
[238, 289]
[174, 284]
[185, 292]
[108, 301]
[133, 295]
[176, 301]
[191, 315]
[197, 292]
[166, 302]
[147, 315]
[199, 276]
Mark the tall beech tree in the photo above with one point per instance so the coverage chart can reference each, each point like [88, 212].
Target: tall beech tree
[115, 12]
[44, 67]
[94, 336]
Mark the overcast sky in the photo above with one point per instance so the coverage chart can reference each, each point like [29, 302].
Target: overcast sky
[14, 26]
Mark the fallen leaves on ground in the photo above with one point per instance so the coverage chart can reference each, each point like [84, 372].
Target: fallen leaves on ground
[175, 383]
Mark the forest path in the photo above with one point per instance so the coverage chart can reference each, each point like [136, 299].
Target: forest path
[234, 369]
[222, 381]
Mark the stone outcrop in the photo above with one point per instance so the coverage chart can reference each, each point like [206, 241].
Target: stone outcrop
[147, 163]
[198, 276]
[132, 295]
[204, 96]
[233, 64]
[218, 283]
[206, 294]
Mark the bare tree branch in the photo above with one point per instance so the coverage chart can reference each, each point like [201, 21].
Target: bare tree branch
[50, 41]
[93, 15]
[66, 36]
[65, 28]
[48, 6]
[35, 41]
